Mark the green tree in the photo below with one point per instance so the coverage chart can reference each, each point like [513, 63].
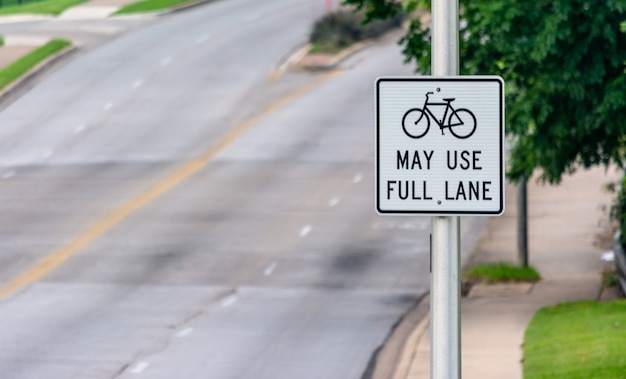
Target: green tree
[564, 64]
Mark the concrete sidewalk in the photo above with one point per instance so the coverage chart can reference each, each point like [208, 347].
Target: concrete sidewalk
[568, 232]
[94, 9]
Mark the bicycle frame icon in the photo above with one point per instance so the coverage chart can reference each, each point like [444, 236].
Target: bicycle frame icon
[461, 122]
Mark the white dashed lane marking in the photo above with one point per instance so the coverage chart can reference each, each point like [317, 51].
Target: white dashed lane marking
[333, 202]
[184, 333]
[305, 230]
[140, 367]
[270, 269]
[357, 178]
[230, 300]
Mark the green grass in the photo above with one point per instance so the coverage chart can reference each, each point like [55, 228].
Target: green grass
[9, 3]
[151, 5]
[1, 41]
[22, 65]
[501, 272]
[579, 340]
[48, 7]
[321, 48]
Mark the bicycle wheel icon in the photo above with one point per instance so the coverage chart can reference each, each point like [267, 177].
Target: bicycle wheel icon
[462, 123]
[415, 123]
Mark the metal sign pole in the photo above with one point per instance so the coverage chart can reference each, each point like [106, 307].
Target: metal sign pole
[445, 288]
[445, 320]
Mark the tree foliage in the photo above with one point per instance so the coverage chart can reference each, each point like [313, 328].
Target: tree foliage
[564, 64]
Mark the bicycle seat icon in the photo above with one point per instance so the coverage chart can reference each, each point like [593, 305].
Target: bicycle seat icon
[461, 122]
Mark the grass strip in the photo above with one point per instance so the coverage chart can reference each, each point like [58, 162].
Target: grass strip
[579, 340]
[500, 272]
[47, 7]
[151, 6]
[28, 61]
[10, 3]
[321, 48]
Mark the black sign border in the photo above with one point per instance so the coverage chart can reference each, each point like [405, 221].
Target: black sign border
[496, 79]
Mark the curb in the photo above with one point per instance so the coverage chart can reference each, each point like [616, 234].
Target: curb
[332, 62]
[24, 17]
[289, 60]
[180, 8]
[29, 75]
[410, 346]
[392, 360]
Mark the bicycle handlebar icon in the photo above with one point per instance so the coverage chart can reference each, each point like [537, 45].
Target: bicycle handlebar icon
[461, 122]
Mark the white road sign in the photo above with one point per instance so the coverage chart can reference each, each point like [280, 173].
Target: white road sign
[440, 145]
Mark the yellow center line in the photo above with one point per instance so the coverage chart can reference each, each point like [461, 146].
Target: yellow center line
[59, 256]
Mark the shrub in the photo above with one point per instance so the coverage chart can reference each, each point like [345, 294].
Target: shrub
[501, 272]
[340, 29]
[618, 211]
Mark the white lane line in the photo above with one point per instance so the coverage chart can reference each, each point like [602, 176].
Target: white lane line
[357, 178]
[333, 202]
[140, 367]
[184, 333]
[230, 300]
[203, 38]
[305, 230]
[108, 105]
[165, 61]
[137, 83]
[270, 269]
[8, 174]
[79, 128]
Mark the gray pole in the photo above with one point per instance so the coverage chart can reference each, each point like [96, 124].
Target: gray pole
[522, 223]
[445, 282]
[445, 301]
[445, 37]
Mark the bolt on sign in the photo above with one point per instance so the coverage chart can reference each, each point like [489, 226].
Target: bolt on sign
[440, 145]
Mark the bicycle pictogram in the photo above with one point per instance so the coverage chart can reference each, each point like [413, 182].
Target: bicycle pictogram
[461, 122]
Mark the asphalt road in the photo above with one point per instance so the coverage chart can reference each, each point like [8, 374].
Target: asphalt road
[172, 209]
